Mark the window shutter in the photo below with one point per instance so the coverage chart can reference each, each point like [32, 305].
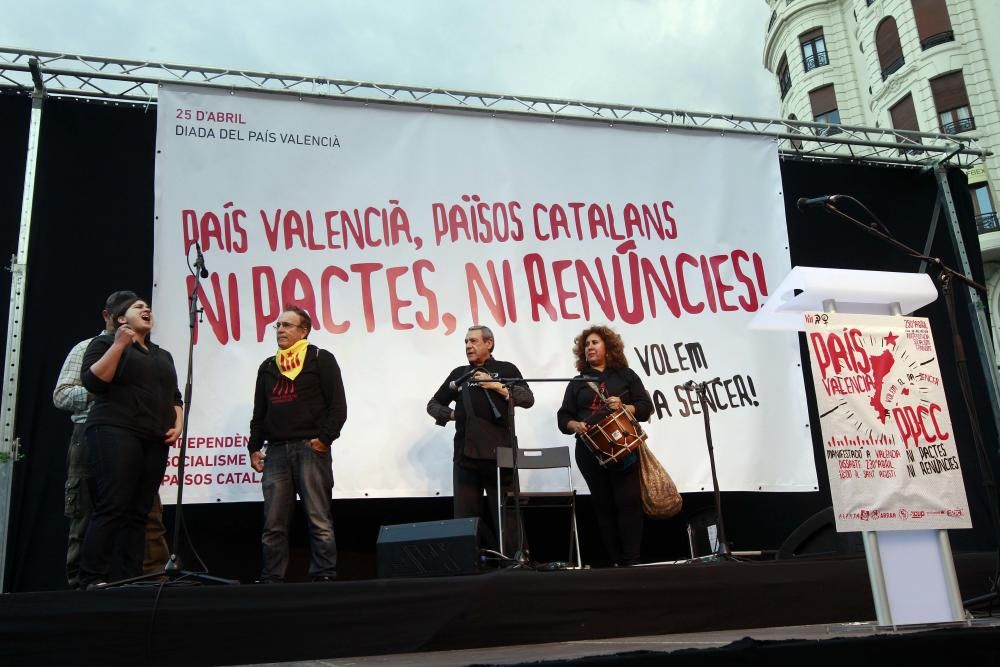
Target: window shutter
[823, 100]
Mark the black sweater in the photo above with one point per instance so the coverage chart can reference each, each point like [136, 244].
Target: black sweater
[142, 394]
[479, 431]
[580, 403]
[311, 406]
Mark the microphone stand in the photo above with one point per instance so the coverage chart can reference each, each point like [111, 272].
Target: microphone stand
[522, 556]
[722, 546]
[946, 277]
[173, 571]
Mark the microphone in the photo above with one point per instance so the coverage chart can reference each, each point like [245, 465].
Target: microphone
[199, 262]
[815, 202]
[454, 384]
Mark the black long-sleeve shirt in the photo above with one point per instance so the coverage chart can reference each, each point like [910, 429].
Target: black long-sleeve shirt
[313, 405]
[480, 414]
[580, 403]
[142, 394]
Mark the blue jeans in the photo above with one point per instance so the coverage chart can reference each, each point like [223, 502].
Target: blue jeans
[290, 468]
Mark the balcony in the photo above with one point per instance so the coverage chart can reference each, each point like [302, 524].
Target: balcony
[937, 38]
[961, 125]
[817, 60]
[892, 67]
[987, 222]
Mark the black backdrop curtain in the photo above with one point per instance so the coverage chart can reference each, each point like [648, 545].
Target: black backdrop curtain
[92, 234]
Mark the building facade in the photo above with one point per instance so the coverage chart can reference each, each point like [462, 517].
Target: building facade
[923, 65]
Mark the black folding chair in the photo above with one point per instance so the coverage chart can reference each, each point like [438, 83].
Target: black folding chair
[544, 458]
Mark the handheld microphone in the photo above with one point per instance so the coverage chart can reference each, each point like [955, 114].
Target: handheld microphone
[199, 262]
[815, 202]
[455, 384]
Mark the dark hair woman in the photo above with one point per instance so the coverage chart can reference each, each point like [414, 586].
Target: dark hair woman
[136, 416]
[600, 353]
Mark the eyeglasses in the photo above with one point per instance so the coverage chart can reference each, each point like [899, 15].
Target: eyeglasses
[287, 325]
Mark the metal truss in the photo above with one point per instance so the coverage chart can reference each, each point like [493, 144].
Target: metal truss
[136, 80]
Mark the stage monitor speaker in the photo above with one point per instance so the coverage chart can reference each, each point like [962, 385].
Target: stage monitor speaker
[817, 537]
[428, 549]
[703, 534]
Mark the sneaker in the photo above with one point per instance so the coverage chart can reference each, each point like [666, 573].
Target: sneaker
[324, 578]
[267, 581]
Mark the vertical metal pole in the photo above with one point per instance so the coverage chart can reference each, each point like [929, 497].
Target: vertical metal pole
[9, 445]
[984, 344]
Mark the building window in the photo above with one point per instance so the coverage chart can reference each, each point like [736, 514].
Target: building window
[890, 52]
[904, 117]
[869, 3]
[824, 108]
[813, 49]
[770, 24]
[952, 103]
[933, 23]
[986, 214]
[784, 76]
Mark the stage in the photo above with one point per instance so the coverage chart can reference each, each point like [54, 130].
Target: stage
[253, 624]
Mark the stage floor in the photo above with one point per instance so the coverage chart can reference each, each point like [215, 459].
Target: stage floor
[239, 625]
[733, 643]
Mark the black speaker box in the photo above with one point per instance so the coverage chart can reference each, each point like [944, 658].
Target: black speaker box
[428, 549]
[817, 537]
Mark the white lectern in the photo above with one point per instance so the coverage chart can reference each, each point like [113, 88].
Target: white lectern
[896, 559]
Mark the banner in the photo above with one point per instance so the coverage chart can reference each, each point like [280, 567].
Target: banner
[397, 228]
[887, 435]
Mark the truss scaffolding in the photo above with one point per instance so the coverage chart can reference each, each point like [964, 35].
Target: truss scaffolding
[66, 74]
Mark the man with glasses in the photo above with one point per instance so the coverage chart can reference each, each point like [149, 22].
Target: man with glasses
[299, 410]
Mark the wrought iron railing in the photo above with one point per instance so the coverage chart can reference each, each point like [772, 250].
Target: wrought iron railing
[892, 67]
[987, 222]
[817, 60]
[937, 38]
[960, 125]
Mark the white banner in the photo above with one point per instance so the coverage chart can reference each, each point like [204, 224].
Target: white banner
[888, 441]
[397, 228]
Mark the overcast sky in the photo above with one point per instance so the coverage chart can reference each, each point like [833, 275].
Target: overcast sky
[698, 55]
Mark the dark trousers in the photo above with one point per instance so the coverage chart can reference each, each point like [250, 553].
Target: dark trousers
[290, 468]
[78, 501]
[617, 500]
[127, 470]
[470, 477]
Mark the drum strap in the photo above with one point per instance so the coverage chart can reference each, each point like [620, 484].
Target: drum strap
[597, 390]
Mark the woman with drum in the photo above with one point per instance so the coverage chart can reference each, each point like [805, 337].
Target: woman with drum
[595, 411]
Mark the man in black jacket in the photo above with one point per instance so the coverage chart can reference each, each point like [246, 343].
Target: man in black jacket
[480, 417]
[299, 410]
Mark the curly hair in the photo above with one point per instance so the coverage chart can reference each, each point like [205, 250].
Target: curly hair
[614, 347]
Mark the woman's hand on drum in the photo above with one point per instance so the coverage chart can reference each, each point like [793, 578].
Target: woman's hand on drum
[577, 427]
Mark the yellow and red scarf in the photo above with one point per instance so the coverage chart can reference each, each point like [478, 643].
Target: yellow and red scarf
[290, 361]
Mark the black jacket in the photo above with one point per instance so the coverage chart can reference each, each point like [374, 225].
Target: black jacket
[480, 414]
[580, 403]
[311, 406]
[142, 394]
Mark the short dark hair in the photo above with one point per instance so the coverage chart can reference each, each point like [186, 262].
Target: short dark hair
[115, 299]
[303, 315]
[487, 334]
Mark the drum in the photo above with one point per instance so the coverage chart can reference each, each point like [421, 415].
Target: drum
[614, 437]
